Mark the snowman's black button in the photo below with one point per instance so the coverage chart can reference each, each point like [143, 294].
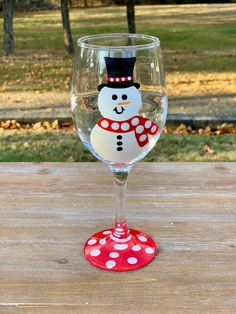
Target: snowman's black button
[119, 143]
[119, 137]
[119, 149]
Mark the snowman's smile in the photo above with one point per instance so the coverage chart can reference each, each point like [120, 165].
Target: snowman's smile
[117, 111]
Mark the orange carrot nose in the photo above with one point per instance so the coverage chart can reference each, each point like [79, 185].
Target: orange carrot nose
[121, 103]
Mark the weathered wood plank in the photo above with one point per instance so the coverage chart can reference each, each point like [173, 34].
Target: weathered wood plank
[48, 211]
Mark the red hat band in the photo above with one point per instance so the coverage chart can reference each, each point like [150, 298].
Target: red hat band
[120, 79]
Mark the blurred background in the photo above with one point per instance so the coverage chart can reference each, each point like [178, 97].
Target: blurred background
[199, 49]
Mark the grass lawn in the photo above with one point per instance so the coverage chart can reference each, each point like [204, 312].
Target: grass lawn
[194, 38]
[64, 146]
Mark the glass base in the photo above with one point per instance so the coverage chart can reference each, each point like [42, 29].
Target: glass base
[104, 250]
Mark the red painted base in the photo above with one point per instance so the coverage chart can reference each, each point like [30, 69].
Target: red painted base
[104, 250]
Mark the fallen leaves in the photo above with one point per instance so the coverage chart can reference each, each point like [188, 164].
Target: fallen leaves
[10, 124]
[38, 126]
[46, 125]
[207, 150]
[225, 128]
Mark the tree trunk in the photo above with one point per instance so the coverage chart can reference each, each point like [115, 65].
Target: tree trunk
[130, 15]
[86, 3]
[8, 37]
[66, 26]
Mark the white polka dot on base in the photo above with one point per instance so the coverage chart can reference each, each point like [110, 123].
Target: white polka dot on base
[132, 260]
[117, 235]
[149, 250]
[129, 78]
[142, 239]
[123, 79]
[119, 229]
[136, 248]
[107, 232]
[92, 241]
[135, 121]
[115, 126]
[125, 126]
[148, 124]
[104, 124]
[110, 264]
[111, 79]
[120, 246]
[139, 129]
[114, 254]
[95, 252]
[103, 241]
[143, 137]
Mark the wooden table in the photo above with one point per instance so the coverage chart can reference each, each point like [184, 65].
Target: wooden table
[48, 211]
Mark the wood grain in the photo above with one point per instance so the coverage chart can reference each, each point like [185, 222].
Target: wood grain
[48, 211]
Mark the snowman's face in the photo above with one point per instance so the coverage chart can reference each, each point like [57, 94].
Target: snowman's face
[119, 103]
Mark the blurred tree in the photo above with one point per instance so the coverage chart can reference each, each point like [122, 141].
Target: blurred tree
[66, 26]
[130, 15]
[8, 37]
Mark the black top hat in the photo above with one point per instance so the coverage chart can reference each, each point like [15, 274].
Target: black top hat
[119, 73]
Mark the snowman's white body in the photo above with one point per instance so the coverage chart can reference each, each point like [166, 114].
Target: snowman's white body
[105, 143]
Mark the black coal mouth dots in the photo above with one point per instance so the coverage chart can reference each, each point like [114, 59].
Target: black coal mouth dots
[117, 111]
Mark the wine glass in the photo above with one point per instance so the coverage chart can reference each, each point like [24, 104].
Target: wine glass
[119, 106]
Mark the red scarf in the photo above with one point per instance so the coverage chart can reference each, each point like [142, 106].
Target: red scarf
[141, 127]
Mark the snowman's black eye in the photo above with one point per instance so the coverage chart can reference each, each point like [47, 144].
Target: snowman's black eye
[114, 96]
[124, 97]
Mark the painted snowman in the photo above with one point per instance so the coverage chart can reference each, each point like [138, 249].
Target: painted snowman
[121, 135]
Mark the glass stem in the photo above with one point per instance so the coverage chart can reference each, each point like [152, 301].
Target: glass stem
[120, 229]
